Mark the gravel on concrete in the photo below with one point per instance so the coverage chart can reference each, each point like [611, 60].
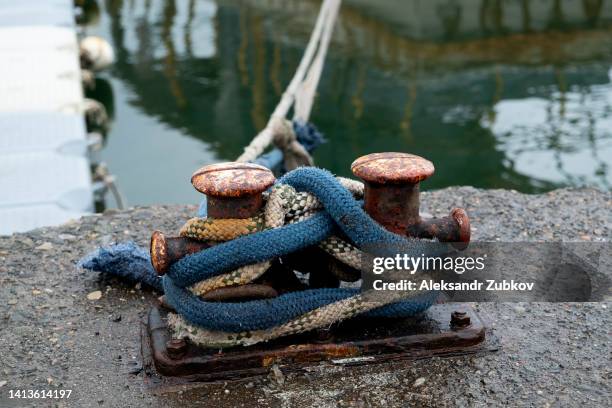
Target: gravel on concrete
[65, 328]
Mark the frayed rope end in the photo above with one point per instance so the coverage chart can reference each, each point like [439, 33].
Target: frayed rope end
[125, 260]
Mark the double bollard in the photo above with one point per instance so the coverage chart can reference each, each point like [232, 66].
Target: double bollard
[391, 197]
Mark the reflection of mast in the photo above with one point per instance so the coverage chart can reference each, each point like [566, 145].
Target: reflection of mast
[526, 16]
[170, 60]
[556, 17]
[188, 28]
[450, 15]
[276, 67]
[258, 112]
[497, 96]
[592, 10]
[602, 169]
[114, 10]
[492, 10]
[562, 86]
[228, 102]
[554, 139]
[356, 99]
[242, 51]
[145, 36]
[406, 123]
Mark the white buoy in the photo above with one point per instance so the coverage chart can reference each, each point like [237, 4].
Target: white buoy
[96, 53]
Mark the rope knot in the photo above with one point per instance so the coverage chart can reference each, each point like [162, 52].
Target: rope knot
[284, 138]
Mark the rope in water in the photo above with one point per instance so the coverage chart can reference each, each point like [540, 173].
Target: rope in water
[245, 258]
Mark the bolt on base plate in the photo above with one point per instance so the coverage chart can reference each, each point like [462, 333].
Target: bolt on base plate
[350, 343]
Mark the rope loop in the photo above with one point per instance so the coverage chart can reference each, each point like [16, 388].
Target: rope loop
[284, 138]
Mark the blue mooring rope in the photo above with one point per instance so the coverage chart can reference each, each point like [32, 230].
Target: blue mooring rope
[341, 212]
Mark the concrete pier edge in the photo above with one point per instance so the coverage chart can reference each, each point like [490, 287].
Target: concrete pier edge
[53, 337]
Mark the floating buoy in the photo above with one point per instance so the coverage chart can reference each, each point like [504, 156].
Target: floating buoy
[96, 53]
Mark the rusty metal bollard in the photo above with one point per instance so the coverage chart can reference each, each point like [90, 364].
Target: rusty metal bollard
[391, 197]
[167, 250]
[233, 190]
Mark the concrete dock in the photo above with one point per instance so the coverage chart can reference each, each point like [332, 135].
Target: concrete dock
[53, 337]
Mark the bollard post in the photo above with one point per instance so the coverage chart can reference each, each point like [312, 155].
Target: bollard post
[233, 190]
[392, 197]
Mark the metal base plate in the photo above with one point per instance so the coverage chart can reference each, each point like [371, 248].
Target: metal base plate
[350, 343]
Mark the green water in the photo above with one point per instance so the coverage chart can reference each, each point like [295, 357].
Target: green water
[498, 94]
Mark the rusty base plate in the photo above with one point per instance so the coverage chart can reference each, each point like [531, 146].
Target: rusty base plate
[351, 343]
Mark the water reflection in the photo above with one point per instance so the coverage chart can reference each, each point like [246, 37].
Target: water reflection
[512, 94]
[573, 128]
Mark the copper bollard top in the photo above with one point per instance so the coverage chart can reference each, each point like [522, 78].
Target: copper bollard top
[392, 168]
[232, 179]
[159, 252]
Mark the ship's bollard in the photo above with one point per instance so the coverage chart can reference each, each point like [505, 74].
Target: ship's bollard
[233, 190]
[391, 197]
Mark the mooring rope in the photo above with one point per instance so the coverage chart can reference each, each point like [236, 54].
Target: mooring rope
[302, 89]
[316, 308]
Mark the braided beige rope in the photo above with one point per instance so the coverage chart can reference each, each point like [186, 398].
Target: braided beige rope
[240, 276]
[221, 229]
[322, 317]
